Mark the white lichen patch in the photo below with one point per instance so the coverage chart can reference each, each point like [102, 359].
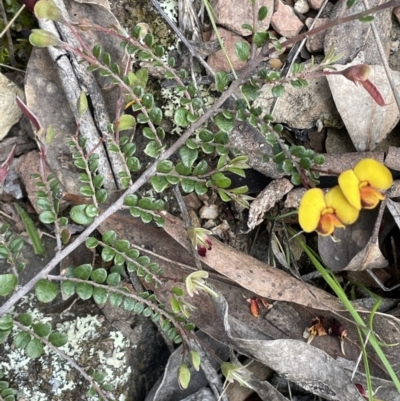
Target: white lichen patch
[171, 8]
[90, 344]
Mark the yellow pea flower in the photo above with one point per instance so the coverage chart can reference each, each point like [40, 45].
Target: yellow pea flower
[324, 212]
[363, 184]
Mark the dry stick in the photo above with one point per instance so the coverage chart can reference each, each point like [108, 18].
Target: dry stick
[72, 90]
[383, 59]
[145, 177]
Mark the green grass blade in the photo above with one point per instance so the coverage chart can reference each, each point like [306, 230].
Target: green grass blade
[32, 231]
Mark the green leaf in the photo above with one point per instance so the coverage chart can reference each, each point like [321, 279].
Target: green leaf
[152, 149]
[68, 288]
[247, 26]
[91, 243]
[133, 164]
[115, 299]
[221, 138]
[32, 231]
[260, 38]
[7, 284]
[83, 272]
[119, 260]
[295, 178]
[183, 376]
[242, 50]
[131, 200]
[86, 190]
[165, 166]
[191, 144]
[146, 217]
[122, 245]
[43, 203]
[319, 159]
[188, 185]
[109, 237]
[262, 13]
[367, 18]
[6, 322]
[237, 171]
[34, 349]
[223, 123]
[221, 81]
[156, 115]
[250, 91]
[16, 245]
[138, 309]
[25, 319]
[106, 59]
[98, 181]
[58, 339]
[220, 180]
[128, 304]
[195, 360]
[47, 10]
[99, 275]
[126, 121]
[182, 169]
[278, 90]
[159, 183]
[148, 101]
[3, 252]
[113, 279]
[180, 117]
[224, 196]
[107, 254]
[134, 211]
[22, 339]
[42, 329]
[82, 104]
[201, 168]
[47, 217]
[100, 296]
[45, 290]
[4, 335]
[205, 135]
[207, 148]
[79, 216]
[42, 38]
[200, 188]
[188, 155]
[84, 291]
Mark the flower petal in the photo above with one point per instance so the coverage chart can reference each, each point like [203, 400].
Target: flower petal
[349, 184]
[335, 199]
[370, 197]
[311, 206]
[375, 173]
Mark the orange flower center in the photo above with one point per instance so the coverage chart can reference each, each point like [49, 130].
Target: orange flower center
[370, 197]
[328, 222]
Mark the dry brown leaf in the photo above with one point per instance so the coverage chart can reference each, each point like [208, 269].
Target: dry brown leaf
[267, 199]
[264, 280]
[367, 123]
